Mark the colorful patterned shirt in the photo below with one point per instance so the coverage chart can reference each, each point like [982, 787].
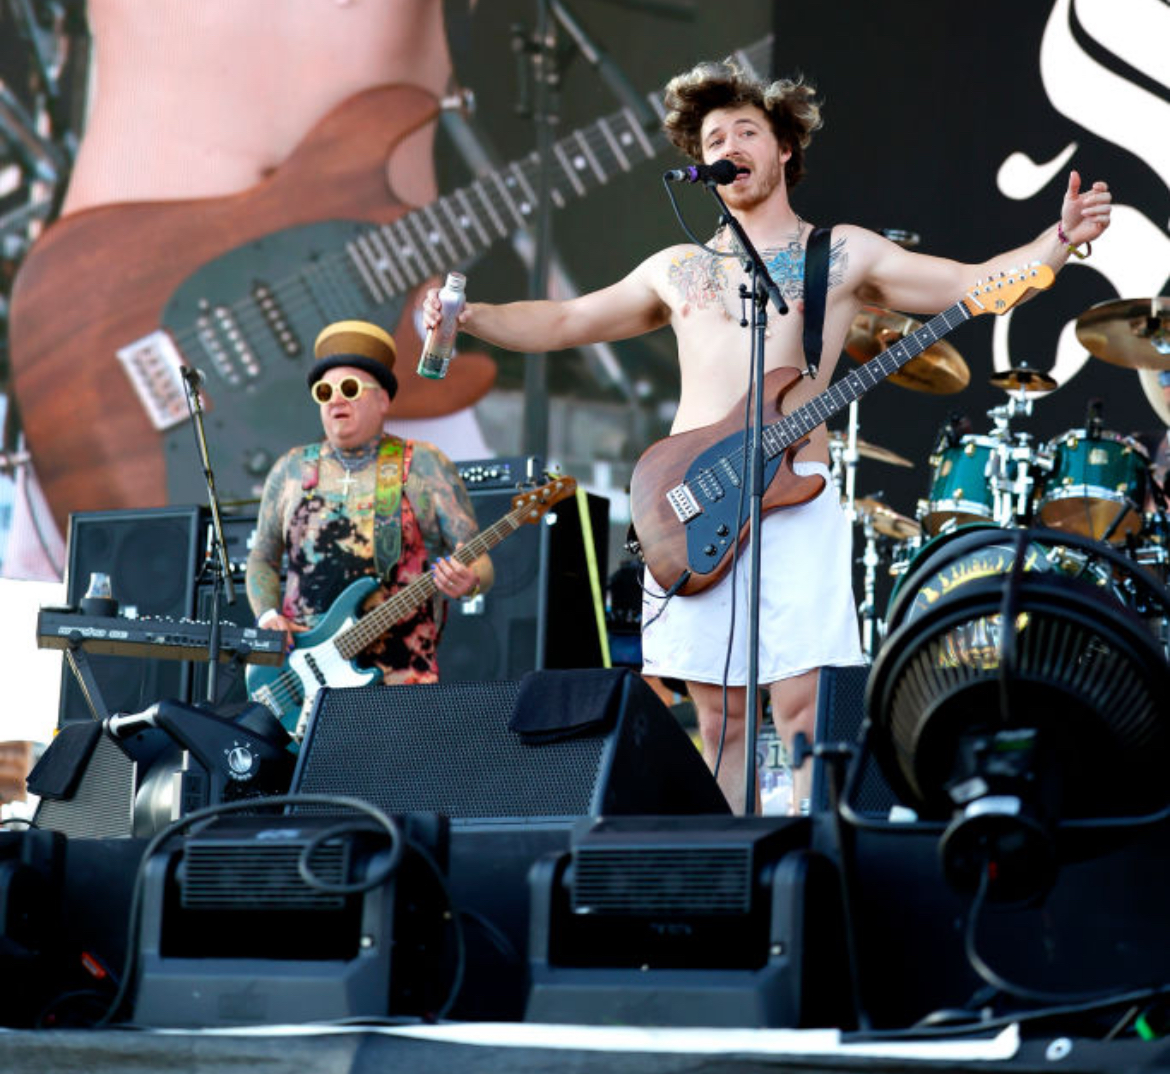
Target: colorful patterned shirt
[327, 531]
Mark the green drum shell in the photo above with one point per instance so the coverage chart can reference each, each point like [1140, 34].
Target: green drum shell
[1092, 479]
[959, 490]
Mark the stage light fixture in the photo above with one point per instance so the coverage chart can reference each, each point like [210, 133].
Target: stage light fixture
[1018, 690]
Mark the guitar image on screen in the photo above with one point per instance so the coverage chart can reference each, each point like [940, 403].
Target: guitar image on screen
[114, 300]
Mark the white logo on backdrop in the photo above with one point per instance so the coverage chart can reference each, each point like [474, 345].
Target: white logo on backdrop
[1135, 259]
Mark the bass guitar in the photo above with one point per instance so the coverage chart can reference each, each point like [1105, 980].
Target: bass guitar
[327, 654]
[114, 300]
[685, 498]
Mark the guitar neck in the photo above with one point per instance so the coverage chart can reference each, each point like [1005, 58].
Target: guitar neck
[395, 258]
[782, 434]
[370, 627]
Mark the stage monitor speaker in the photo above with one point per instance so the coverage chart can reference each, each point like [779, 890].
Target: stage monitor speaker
[150, 557]
[447, 748]
[840, 714]
[540, 611]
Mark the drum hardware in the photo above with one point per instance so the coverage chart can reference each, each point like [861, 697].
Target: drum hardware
[1130, 332]
[939, 370]
[872, 628]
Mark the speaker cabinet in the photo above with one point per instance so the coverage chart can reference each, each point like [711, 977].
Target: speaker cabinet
[840, 714]
[447, 748]
[150, 557]
[540, 611]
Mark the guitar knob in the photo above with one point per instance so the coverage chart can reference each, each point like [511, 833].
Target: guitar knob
[722, 530]
[710, 550]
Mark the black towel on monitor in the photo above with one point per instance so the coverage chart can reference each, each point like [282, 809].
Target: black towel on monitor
[553, 705]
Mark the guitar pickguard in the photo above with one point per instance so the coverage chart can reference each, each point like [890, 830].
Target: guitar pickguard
[714, 481]
[249, 319]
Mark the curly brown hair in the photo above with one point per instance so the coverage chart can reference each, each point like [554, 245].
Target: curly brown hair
[789, 104]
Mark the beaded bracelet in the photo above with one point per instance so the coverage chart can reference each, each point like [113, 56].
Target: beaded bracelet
[1070, 247]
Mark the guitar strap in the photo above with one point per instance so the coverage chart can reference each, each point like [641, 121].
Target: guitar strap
[816, 288]
[394, 455]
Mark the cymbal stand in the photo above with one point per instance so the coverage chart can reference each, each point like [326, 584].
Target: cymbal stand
[850, 458]
[871, 626]
[1013, 459]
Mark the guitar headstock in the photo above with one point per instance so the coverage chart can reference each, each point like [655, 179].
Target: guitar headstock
[536, 502]
[1002, 290]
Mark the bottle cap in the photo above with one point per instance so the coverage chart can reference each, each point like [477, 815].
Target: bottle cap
[456, 281]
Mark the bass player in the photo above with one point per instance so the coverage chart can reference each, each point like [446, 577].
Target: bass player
[807, 616]
[362, 503]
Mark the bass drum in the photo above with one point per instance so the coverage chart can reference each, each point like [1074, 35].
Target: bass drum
[967, 553]
[959, 488]
[1094, 480]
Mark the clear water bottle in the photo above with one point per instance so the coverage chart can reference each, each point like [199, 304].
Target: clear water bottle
[440, 342]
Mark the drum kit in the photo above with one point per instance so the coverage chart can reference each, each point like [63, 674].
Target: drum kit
[1088, 481]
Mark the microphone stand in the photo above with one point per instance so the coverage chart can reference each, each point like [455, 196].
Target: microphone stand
[216, 557]
[763, 288]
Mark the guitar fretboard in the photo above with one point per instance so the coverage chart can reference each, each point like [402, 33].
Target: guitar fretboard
[781, 434]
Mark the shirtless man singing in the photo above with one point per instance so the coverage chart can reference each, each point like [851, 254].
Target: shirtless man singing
[807, 614]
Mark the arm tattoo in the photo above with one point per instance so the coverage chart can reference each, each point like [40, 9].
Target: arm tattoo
[437, 493]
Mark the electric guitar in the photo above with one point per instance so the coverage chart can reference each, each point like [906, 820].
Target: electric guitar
[112, 301]
[327, 654]
[685, 489]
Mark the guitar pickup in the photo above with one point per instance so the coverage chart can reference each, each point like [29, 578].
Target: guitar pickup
[683, 502]
[153, 365]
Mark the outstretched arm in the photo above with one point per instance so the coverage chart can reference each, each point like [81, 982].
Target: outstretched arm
[917, 283]
[627, 308]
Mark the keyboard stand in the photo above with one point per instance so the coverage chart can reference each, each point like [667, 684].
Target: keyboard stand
[83, 672]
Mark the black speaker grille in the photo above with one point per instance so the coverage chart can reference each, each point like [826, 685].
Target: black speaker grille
[840, 714]
[646, 881]
[252, 877]
[103, 805]
[443, 749]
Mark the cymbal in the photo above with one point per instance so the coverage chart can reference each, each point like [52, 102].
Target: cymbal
[1022, 376]
[1131, 332]
[871, 451]
[886, 520]
[939, 370]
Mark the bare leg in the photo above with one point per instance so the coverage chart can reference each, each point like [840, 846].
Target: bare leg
[708, 701]
[794, 709]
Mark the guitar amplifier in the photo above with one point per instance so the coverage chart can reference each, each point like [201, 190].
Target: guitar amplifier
[540, 612]
[482, 475]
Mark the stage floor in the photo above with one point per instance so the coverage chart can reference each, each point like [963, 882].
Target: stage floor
[488, 1048]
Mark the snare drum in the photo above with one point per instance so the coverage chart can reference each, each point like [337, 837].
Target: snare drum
[1092, 480]
[959, 490]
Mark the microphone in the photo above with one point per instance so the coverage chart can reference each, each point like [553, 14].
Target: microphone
[721, 172]
[194, 377]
